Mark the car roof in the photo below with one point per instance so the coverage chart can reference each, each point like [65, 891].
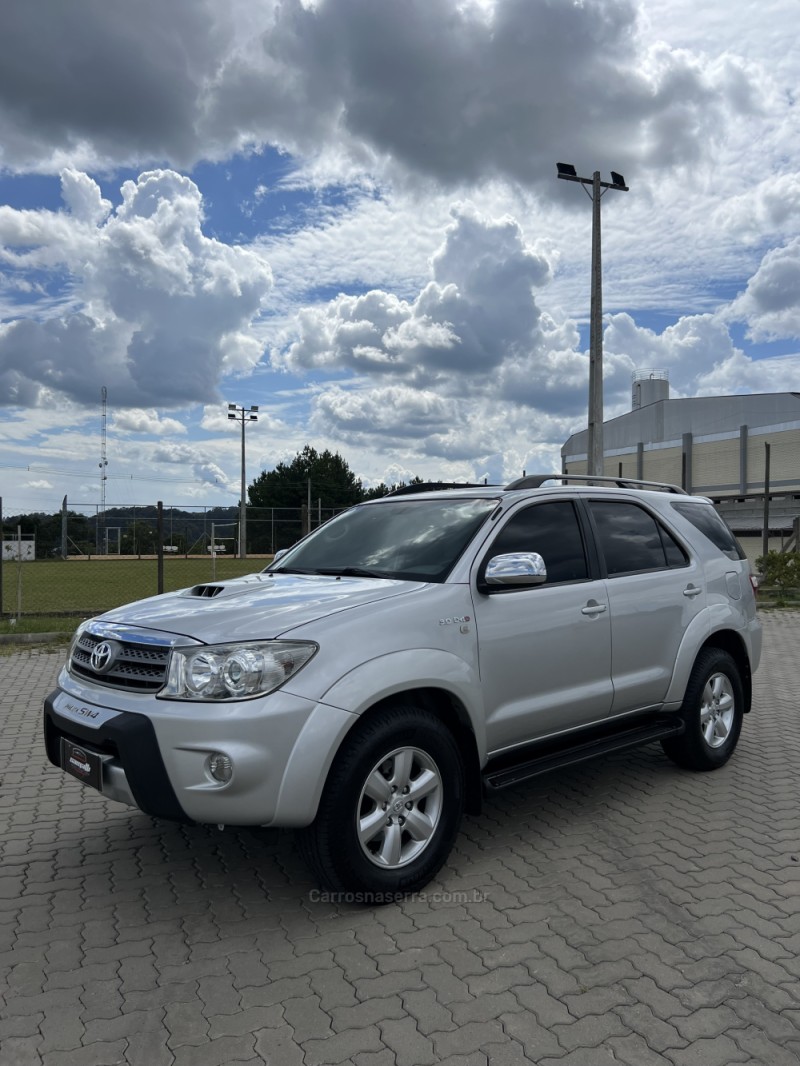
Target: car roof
[529, 486]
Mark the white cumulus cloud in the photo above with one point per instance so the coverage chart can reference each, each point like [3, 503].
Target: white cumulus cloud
[157, 311]
[771, 303]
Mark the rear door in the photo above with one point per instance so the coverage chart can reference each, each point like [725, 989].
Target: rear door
[545, 652]
[655, 588]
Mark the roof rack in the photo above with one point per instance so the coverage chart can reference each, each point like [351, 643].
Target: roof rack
[535, 481]
[435, 486]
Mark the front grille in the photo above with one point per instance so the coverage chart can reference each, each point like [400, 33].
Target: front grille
[141, 667]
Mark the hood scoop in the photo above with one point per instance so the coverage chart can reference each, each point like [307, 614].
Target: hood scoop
[206, 591]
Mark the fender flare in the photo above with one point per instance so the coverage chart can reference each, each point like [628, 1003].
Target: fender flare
[341, 706]
[389, 675]
[715, 618]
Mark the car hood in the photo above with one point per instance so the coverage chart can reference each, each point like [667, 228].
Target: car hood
[256, 607]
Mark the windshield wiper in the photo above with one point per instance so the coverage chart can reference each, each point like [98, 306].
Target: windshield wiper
[350, 571]
[290, 570]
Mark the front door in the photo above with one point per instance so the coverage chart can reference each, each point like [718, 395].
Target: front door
[545, 652]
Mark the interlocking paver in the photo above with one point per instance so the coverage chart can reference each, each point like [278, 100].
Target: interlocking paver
[273, 992]
[220, 1051]
[486, 1007]
[469, 1037]
[429, 1014]
[245, 1021]
[623, 912]
[538, 1041]
[279, 1046]
[342, 1047]
[410, 1047]
[101, 1053]
[720, 1051]
[332, 988]
[634, 1051]
[375, 1058]
[659, 1035]
[368, 1012]
[777, 1053]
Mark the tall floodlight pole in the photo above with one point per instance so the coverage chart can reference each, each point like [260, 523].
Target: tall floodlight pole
[568, 173]
[243, 415]
[100, 534]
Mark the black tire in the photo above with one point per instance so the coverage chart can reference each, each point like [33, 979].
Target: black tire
[713, 709]
[399, 776]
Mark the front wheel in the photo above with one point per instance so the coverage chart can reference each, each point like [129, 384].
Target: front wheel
[712, 710]
[391, 807]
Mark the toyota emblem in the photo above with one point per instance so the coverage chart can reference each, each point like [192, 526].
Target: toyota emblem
[103, 656]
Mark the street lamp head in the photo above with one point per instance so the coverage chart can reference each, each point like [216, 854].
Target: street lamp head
[566, 170]
[254, 407]
[232, 418]
[231, 406]
[617, 178]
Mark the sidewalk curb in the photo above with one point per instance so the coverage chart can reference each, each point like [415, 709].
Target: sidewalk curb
[33, 638]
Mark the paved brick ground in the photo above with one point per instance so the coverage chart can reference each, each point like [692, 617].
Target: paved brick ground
[627, 912]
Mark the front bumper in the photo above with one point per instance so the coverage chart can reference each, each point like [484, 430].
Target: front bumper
[157, 760]
[133, 771]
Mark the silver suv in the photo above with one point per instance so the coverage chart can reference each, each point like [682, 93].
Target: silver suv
[415, 652]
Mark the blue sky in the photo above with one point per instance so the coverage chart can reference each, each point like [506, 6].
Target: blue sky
[347, 213]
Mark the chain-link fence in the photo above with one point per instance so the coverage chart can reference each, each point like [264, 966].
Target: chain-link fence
[134, 531]
[74, 563]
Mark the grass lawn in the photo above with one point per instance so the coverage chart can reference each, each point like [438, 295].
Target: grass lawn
[90, 586]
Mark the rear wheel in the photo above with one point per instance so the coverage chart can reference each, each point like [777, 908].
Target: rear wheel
[713, 708]
[391, 806]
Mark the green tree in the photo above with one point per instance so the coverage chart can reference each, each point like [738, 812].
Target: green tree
[333, 486]
[781, 571]
[383, 489]
[47, 530]
[332, 481]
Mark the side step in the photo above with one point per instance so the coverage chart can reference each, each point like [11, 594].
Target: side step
[557, 754]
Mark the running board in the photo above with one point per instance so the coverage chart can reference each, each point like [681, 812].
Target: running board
[556, 755]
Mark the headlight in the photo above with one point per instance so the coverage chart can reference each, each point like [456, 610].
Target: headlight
[234, 671]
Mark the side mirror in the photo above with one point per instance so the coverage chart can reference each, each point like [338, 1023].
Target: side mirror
[516, 568]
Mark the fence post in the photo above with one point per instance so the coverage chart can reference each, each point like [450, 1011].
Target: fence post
[160, 545]
[1, 556]
[64, 528]
[19, 572]
[765, 532]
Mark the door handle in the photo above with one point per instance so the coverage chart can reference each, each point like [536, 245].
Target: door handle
[592, 608]
[691, 590]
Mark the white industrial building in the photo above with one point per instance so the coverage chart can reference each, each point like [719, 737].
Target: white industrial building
[710, 445]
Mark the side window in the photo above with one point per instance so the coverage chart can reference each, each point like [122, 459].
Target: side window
[631, 539]
[711, 525]
[552, 530]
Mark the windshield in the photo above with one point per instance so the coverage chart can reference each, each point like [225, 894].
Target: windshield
[414, 539]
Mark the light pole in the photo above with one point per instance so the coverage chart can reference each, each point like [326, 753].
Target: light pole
[243, 415]
[568, 173]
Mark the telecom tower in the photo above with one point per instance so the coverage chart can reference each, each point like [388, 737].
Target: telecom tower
[102, 547]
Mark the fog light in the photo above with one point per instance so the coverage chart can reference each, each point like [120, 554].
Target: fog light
[220, 767]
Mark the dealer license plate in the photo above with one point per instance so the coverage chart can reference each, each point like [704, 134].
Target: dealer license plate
[87, 766]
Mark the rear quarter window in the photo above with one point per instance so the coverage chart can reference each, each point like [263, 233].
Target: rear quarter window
[631, 540]
[705, 519]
